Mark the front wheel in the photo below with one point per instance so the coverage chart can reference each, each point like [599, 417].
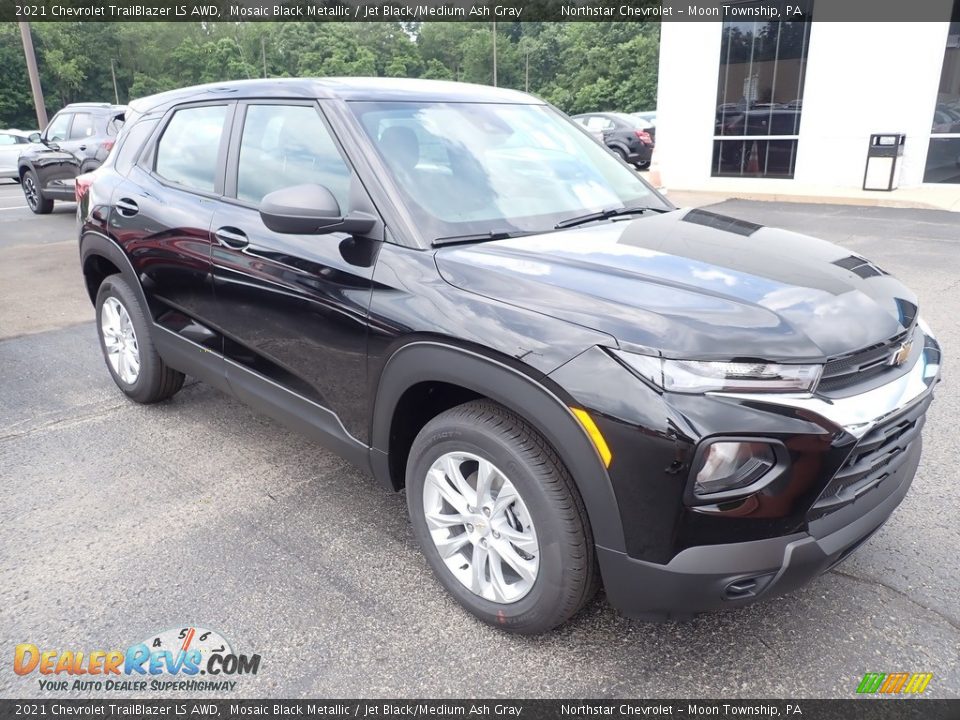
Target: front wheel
[37, 203]
[499, 518]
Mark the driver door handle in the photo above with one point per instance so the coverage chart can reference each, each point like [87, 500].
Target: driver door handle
[232, 237]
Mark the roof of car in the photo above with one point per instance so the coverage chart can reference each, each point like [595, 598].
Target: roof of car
[95, 106]
[344, 88]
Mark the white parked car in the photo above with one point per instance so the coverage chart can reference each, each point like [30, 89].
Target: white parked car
[12, 143]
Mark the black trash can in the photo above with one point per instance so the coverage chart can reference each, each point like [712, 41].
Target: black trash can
[883, 161]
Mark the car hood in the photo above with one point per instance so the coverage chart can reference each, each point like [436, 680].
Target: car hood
[693, 284]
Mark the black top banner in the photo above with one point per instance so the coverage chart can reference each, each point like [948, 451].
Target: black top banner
[474, 10]
[865, 709]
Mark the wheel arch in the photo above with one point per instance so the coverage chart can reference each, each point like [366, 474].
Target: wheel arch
[99, 257]
[477, 375]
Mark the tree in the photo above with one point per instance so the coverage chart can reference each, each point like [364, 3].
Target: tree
[579, 66]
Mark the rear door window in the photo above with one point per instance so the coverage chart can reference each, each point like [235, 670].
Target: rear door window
[190, 145]
[82, 126]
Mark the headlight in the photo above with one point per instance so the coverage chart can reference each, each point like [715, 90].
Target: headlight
[696, 376]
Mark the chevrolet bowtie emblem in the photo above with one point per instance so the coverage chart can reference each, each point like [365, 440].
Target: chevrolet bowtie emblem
[902, 353]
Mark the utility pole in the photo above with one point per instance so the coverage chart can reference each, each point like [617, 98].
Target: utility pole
[113, 74]
[263, 53]
[34, 74]
[495, 53]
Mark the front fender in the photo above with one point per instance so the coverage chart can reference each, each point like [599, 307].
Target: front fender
[540, 403]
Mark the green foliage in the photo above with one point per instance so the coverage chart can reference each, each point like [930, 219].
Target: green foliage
[578, 66]
[16, 105]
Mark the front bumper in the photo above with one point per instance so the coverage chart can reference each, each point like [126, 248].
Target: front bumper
[852, 460]
[714, 577]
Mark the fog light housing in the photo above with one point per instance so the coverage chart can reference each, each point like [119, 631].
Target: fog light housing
[728, 465]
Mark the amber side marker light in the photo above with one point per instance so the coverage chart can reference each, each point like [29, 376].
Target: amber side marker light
[595, 435]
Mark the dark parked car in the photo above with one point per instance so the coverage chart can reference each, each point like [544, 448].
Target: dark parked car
[459, 291]
[77, 140]
[628, 136]
[648, 122]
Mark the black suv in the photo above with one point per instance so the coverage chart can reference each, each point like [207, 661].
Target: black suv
[458, 290]
[76, 141]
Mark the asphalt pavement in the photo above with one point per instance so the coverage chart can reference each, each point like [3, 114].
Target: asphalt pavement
[118, 521]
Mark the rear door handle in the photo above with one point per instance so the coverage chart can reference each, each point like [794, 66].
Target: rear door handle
[231, 237]
[127, 207]
[83, 147]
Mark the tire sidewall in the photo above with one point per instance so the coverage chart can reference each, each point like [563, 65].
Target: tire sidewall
[116, 288]
[544, 598]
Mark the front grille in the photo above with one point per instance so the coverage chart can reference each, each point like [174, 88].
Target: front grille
[877, 456]
[847, 370]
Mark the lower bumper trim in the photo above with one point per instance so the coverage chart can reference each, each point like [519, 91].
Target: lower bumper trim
[715, 577]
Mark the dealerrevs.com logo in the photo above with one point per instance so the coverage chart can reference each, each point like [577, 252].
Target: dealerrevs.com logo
[183, 654]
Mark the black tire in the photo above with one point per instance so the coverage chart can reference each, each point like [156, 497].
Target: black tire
[155, 381]
[567, 576]
[621, 153]
[34, 196]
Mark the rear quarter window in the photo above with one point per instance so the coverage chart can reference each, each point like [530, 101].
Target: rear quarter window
[132, 143]
[114, 125]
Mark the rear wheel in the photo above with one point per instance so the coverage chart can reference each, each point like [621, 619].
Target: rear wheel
[34, 195]
[127, 347]
[499, 518]
[621, 153]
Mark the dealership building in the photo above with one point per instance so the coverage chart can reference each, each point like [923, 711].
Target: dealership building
[782, 106]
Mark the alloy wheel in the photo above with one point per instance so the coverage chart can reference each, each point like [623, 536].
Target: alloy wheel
[120, 340]
[30, 192]
[481, 527]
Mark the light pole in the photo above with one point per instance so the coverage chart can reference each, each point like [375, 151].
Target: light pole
[494, 53]
[34, 74]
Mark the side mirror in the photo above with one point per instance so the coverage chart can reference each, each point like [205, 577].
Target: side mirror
[310, 210]
[34, 137]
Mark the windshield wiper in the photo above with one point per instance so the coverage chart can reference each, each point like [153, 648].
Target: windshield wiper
[606, 214]
[479, 237]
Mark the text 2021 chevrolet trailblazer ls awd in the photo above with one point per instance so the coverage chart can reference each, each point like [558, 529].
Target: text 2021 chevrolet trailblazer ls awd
[459, 290]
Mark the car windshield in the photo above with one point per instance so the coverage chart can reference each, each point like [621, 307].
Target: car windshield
[482, 168]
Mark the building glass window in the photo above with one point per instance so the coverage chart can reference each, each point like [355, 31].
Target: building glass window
[760, 94]
[943, 155]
